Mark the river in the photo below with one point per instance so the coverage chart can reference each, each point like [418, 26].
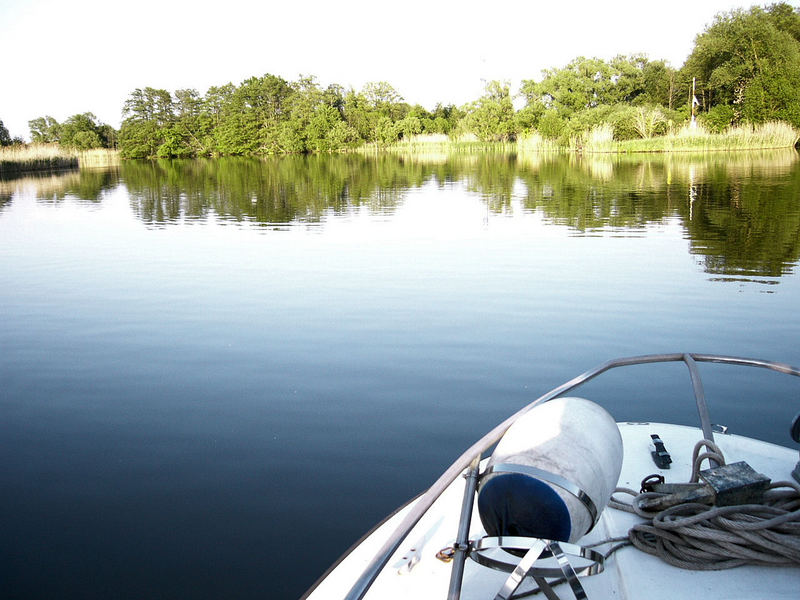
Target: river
[217, 374]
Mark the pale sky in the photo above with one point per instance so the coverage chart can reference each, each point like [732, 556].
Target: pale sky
[60, 58]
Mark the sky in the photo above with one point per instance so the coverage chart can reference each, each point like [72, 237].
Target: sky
[62, 58]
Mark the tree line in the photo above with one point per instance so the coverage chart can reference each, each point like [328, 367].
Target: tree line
[744, 67]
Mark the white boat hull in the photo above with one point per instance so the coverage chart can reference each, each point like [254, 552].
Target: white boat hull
[414, 571]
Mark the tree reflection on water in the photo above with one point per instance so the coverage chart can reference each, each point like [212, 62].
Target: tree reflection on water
[740, 211]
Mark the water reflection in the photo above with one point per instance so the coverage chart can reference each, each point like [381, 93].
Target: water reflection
[266, 191]
[87, 186]
[740, 211]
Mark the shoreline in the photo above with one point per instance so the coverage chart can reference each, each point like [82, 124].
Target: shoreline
[38, 158]
[17, 160]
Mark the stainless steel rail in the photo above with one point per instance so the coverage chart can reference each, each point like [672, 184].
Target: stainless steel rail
[383, 555]
[462, 539]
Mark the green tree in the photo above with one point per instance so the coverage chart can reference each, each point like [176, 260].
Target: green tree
[259, 106]
[587, 83]
[5, 137]
[360, 115]
[82, 132]
[190, 134]
[149, 104]
[216, 101]
[409, 126]
[140, 139]
[583, 83]
[319, 127]
[341, 136]
[445, 118]
[638, 80]
[660, 82]
[148, 118]
[386, 132]
[551, 125]
[750, 60]
[44, 130]
[386, 100]
[312, 112]
[491, 117]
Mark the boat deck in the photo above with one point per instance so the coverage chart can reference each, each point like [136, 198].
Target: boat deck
[629, 573]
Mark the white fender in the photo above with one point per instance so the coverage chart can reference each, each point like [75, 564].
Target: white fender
[568, 448]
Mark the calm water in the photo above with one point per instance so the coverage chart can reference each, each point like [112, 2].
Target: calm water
[216, 375]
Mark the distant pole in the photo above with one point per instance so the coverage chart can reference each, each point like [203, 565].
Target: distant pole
[692, 103]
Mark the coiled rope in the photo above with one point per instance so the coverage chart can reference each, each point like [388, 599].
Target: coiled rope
[706, 538]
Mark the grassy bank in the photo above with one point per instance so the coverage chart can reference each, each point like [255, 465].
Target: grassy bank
[437, 143]
[765, 136]
[600, 139]
[51, 157]
[15, 160]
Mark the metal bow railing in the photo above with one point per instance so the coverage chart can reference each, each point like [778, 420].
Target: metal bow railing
[470, 458]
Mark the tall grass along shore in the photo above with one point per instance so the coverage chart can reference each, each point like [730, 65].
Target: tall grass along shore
[765, 136]
[52, 157]
[600, 139]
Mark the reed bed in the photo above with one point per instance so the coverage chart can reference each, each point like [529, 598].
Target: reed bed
[43, 185]
[599, 139]
[439, 143]
[52, 157]
[764, 136]
[21, 159]
[98, 157]
[535, 143]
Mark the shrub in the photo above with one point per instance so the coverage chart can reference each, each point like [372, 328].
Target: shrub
[718, 118]
[551, 126]
[649, 121]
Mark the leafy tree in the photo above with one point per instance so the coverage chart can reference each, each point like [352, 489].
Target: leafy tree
[718, 118]
[319, 127]
[785, 18]
[386, 132]
[750, 60]
[551, 125]
[386, 100]
[620, 116]
[491, 117]
[263, 103]
[81, 132]
[360, 115]
[587, 83]
[660, 84]
[44, 130]
[109, 135]
[334, 96]
[150, 105]
[638, 80]
[191, 132]
[583, 83]
[140, 139]
[312, 114]
[445, 117]
[148, 116]
[527, 118]
[409, 126]
[216, 100]
[341, 136]
[5, 137]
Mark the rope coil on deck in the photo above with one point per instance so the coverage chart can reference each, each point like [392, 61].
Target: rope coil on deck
[704, 538]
